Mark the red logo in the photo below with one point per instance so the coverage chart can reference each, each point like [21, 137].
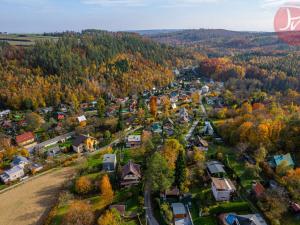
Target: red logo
[287, 23]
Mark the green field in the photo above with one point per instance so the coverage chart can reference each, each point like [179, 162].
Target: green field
[24, 39]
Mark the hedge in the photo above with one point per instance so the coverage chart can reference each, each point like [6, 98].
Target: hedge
[229, 207]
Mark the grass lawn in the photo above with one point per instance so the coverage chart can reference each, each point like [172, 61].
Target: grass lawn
[207, 220]
[61, 211]
[237, 166]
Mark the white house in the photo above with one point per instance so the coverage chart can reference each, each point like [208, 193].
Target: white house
[222, 188]
[12, 174]
[205, 89]
[20, 161]
[133, 141]
[109, 162]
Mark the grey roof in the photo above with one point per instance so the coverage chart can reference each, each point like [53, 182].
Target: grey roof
[109, 158]
[251, 219]
[18, 159]
[79, 140]
[13, 170]
[178, 208]
[215, 167]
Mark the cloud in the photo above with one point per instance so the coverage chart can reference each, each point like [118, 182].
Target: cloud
[163, 3]
[278, 3]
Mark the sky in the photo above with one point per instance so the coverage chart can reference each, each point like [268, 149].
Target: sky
[37, 16]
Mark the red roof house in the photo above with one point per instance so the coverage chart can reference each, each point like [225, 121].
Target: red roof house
[258, 189]
[25, 139]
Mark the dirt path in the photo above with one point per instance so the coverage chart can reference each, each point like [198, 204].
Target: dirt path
[28, 203]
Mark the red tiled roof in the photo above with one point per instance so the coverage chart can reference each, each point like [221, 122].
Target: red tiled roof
[24, 137]
[258, 189]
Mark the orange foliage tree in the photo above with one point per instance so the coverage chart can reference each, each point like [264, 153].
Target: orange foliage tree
[79, 213]
[83, 185]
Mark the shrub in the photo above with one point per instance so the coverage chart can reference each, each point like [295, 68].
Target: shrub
[83, 185]
[79, 213]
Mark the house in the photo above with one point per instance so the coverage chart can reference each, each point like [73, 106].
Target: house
[201, 143]
[258, 189]
[84, 143]
[4, 113]
[184, 115]
[131, 174]
[233, 219]
[82, 120]
[222, 188]
[171, 193]
[205, 89]
[208, 129]
[20, 161]
[26, 140]
[53, 151]
[295, 207]
[215, 169]
[12, 174]
[278, 159]
[156, 128]
[133, 141]
[60, 116]
[179, 213]
[174, 106]
[168, 127]
[109, 162]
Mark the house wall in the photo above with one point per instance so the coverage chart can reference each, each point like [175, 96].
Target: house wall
[221, 195]
[16, 175]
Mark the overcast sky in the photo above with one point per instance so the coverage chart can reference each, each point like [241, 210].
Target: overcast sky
[35, 16]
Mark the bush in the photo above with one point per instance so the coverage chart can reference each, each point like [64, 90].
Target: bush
[83, 185]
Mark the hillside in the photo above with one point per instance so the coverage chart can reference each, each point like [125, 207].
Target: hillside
[77, 67]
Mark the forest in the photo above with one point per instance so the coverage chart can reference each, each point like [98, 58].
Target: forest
[78, 67]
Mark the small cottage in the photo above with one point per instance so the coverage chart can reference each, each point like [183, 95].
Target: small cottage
[109, 162]
[222, 188]
[133, 141]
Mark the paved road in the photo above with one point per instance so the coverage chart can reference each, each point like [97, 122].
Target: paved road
[116, 141]
[189, 134]
[148, 207]
[29, 203]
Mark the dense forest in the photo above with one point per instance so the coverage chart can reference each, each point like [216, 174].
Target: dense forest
[77, 67]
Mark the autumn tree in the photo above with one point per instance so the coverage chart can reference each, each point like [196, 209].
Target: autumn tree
[153, 106]
[196, 97]
[79, 213]
[100, 107]
[170, 151]
[110, 217]
[160, 176]
[34, 121]
[83, 185]
[107, 193]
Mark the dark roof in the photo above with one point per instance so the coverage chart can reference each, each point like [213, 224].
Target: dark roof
[79, 140]
[131, 168]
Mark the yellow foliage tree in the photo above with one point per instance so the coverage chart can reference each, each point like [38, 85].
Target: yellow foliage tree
[107, 193]
[110, 217]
